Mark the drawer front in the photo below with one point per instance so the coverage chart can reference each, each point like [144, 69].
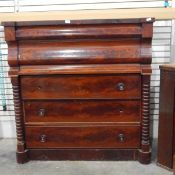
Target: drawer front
[81, 86]
[81, 52]
[83, 137]
[82, 111]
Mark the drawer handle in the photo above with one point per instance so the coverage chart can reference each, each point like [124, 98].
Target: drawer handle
[43, 138]
[39, 87]
[121, 86]
[121, 137]
[41, 112]
[121, 111]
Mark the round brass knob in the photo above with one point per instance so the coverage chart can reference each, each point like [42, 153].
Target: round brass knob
[121, 137]
[43, 138]
[41, 112]
[121, 86]
[121, 111]
[39, 87]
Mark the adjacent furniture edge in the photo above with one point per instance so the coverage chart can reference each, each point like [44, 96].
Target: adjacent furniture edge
[166, 135]
[168, 67]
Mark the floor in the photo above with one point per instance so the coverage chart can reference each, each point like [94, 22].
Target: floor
[8, 165]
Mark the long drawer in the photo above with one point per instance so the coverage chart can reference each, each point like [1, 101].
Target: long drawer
[81, 86]
[82, 111]
[96, 52]
[83, 137]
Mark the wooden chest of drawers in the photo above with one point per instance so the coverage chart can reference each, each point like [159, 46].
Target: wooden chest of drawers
[81, 89]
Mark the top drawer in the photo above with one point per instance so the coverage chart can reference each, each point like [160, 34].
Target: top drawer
[121, 50]
[83, 31]
[102, 41]
[81, 86]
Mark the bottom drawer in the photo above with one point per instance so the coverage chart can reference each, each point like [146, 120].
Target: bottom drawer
[83, 137]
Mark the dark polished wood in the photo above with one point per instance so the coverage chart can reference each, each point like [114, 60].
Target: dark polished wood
[83, 154]
[81, 89]
[166, 138]
[79, 22]
[82, 52]
[81, 86]
[82, 111]
[78, 32]
[87, 136]
[21, 147]
[85, 69]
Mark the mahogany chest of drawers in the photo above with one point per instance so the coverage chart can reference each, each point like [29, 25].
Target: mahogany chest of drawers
[81, 88]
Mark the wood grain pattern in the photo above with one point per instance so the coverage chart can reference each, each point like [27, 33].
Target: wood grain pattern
[84, 69]
[82, 111]
[13, 54]
[83, 137]
[80, 86]
[87, 21]
[166, 137]
[77, 32]
[10, 33]
[82, 52]
[84, 154]
[82, 91]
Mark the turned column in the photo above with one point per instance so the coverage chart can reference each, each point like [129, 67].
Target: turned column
[21, 149]
[13, 57]
[145, 151]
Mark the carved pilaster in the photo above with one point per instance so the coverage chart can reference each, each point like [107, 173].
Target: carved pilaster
[21, 151]
[145, 152]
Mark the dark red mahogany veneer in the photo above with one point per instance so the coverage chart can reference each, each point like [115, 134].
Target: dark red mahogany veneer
[81, 90]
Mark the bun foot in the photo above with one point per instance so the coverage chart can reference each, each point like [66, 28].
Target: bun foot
[22, 157]
[144, 157]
